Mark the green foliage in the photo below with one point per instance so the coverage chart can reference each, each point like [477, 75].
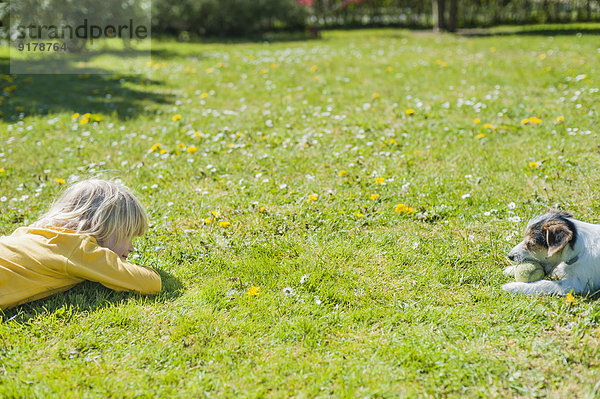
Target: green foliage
[226, 17]
[43, 15]
[471, 13]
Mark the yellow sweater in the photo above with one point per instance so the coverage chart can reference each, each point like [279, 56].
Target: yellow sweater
[38, 262]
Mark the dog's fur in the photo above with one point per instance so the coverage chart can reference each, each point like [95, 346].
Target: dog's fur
[569, 251]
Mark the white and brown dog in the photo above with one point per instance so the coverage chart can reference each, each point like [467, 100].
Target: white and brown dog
[569, 251]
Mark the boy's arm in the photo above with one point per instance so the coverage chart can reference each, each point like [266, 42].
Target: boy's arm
[95, 263]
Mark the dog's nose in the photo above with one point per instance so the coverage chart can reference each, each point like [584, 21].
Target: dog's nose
[511, 256]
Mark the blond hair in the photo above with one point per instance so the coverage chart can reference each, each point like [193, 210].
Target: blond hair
[99, 208]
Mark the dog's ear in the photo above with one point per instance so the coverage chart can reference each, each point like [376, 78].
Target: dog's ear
[558, 236]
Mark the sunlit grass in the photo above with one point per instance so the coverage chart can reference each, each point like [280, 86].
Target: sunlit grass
[330, 217]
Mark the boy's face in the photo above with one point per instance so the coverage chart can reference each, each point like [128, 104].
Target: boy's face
[122, 248]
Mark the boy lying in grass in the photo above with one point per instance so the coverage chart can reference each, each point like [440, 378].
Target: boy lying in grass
[86, 235]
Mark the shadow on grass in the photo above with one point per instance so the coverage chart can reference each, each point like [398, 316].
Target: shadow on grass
[89, 297]
[271, 37]
[106, 93]
[530, 32]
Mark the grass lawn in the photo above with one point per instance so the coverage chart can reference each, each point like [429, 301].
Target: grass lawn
[367, 186]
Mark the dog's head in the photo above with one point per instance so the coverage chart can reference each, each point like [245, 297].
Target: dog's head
[546, 236]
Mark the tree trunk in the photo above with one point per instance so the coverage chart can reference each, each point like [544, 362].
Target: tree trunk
[438, 15]
[453, 16]
[588, 8]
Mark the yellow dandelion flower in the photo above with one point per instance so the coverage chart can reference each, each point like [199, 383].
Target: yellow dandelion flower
[313, 68]
[376, 95]
[162, 152]
[400, 208]
[480, 136]
[224, 223]
[359, 215]
[374, 196]
[97, 119]
[380, 180]
[393, 141]
[409, 111]
[2, 171]
[262, 209]
[84, 121]
[312, 198]
[534, 165]
[75, 115]
[560, 119]
[488, 126]
[570, 299]
[253, 291]
[535, 120]
[155, 147]
[342, 173]
[525, 121]
[215, 213]
[86, 115]
[208, 220]
[389, 69]
[198, 134]
[273, 66]
[176, 117]
[204, 95]
[181, 145]
[59, 180]
[476, 120]
[191, 149]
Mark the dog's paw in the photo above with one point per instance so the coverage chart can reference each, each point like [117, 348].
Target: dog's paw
[515, 288]
[510, 271]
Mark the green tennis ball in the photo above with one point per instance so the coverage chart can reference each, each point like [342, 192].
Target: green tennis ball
[529, 272]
